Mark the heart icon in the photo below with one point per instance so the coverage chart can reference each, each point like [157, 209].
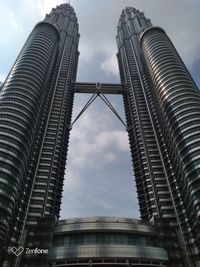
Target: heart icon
[17, 251]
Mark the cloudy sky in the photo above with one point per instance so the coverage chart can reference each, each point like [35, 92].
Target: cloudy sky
[99, 178]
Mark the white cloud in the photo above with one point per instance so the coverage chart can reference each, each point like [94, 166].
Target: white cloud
[118, 139]
[110, 66]
[2, 77]
[10, 23]
[87, 51]
[42, 6]
[88, 150]
[45, 6]
[110, 157]
[95, 139]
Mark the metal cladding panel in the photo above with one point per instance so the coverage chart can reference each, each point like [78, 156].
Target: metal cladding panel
[43, 180]
[49, 167]
[179, 99]
[20, 101]
[142, 120]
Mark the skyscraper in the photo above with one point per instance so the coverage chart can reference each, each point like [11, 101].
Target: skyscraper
[35, 116]
[162, 106]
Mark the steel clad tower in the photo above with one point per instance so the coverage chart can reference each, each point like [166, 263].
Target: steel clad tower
[35, 116]
[162, 107]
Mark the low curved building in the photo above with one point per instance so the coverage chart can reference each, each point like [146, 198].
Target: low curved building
[106, 241]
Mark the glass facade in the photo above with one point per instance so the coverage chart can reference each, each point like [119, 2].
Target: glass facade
[104, 239]
[130, 243]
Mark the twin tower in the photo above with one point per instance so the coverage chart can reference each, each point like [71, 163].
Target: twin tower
[162, 107]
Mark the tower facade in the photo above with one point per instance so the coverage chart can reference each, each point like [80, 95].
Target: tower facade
[161, 104]
[35, 116]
